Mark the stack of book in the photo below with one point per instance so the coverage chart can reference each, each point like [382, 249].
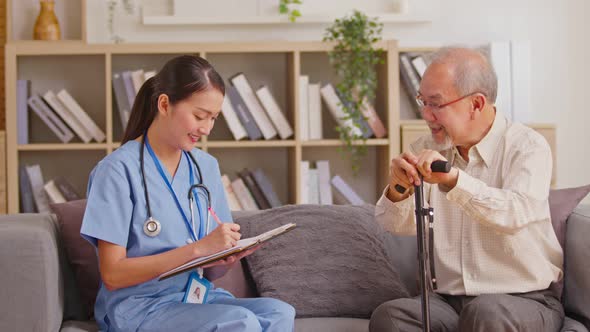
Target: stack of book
[36, 194]
[126, 84]
[250, 191]
[310, 112]
[316, 185]
[411, 68]
[59, 111]
[253, 114]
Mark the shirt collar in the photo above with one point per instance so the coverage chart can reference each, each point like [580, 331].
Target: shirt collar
[489, 144]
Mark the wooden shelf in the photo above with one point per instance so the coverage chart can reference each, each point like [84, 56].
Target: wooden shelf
[275, 19]
[250, 144]
[337, 142]
[68, 64]
[62, 146]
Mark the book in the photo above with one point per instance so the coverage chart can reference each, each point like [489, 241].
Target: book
[66, 189]
[361, 122]
[244, 196]
[23, 90]
[232, 199]
[335, 107]
[261, 201]
[243, 113]
[304, 107]
[410, 79]
[242, 245]
[73, 122]
[419, 65]
[81, 115]
[53, 193]
[51, 120]
[373, 120]
[231, 118]
[27, 201]
[37, 187]
[266, 187]
[274, 112]
[148, 74]
[240, 82]
[304, 182]
[325, 189]
[121, 99]
[346, 190]
[313, 186]
[314, 102]
[129, 88]
[137, 77]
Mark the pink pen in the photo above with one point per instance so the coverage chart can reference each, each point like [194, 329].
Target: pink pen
[219, 222]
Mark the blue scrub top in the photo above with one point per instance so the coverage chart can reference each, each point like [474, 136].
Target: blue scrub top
[116, 212]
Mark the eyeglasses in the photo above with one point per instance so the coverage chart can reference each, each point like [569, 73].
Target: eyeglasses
[436, 108]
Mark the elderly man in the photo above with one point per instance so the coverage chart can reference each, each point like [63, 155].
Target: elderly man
[495, 251]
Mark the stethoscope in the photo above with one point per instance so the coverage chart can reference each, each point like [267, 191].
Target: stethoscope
[153, 227]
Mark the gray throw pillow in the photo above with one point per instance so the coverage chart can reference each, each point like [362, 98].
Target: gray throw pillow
[562, 203]
[577, 276]
[334, 264]
[80, 253]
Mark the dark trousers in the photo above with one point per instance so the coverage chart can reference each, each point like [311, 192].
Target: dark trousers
[538, 311]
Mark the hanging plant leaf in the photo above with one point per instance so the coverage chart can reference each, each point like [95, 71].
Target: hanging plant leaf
[354, 58]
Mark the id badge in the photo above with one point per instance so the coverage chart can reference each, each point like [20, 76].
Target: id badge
[197, 289]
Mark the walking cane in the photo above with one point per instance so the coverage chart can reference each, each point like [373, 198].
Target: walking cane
[425, 250]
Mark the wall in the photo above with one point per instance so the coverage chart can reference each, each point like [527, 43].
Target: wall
[556, 30]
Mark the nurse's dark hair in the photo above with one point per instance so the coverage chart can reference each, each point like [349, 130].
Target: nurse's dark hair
[178, 79]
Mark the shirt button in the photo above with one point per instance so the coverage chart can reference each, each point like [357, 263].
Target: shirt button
[189, 241]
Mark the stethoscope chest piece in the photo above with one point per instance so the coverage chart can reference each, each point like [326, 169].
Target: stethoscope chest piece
[152, 227]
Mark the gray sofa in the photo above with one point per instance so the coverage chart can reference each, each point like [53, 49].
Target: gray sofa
[36, 279]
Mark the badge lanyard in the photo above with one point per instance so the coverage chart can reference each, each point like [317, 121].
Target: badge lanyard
[190, 228]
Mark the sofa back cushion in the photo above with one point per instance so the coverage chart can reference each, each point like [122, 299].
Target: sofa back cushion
[334, 264]
[562, 203]
[577, 267]
[80, 254]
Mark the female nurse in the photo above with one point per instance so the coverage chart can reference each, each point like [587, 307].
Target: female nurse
[138, 215]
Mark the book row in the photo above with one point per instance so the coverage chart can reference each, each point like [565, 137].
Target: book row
[59, 111]
[252, 190]
[36, 194]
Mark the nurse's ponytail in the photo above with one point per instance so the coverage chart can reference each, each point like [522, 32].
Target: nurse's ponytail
[178, 79]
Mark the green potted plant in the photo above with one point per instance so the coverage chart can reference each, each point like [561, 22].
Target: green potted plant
[354, 58]
[290, 8]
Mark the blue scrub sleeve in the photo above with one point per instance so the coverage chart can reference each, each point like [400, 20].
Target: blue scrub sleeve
[109, 207]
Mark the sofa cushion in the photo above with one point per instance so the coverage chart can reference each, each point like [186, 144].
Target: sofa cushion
[80, 253]
[331, 324]
[562, 203]
[577, 275]
[332, 265]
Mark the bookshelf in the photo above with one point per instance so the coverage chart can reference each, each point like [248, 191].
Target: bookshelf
[85, 70]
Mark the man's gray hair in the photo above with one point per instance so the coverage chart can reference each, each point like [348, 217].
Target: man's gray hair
[473, 70]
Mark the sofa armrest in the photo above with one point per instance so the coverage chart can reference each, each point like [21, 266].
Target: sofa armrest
[577, 267]
[31, 288]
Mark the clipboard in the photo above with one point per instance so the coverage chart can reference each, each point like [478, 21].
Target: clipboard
[242, 245]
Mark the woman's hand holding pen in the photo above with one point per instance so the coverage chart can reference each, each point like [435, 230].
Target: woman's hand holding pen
[225, 236]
